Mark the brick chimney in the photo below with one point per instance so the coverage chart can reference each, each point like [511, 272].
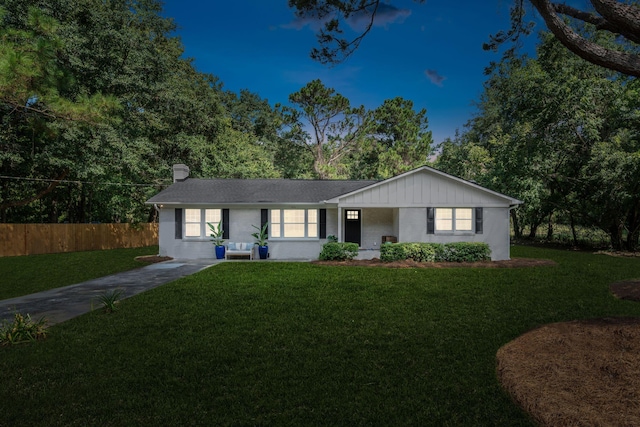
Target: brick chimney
[180, 172]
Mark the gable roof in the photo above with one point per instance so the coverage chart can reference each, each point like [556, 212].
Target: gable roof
[222, 191]
[512, 201]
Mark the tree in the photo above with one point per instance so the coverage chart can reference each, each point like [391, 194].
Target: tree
[397, 141]
[98, 93]
[336, 128]
[564, 21]
[562, 135]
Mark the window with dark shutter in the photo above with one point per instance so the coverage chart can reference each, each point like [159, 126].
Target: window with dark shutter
[323, 223]
[430, 221]
[478, 220]
[225, 223]
[178, 222]
[264, 218]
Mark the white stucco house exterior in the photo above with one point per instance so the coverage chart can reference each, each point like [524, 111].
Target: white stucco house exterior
[422, 205]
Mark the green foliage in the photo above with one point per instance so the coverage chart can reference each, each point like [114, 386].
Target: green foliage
[22, 330]
[421, 252]
[216, 233]
[561, 135]
[436, 252]
[110, 300]
[261, 235]
[332, 239]
[336, 251]
[397, 140]
[337, 128]
[466, 252]
[393, 252]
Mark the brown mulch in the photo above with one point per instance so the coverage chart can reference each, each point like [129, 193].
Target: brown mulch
[579, 373]
[376, 262]
[151, 259]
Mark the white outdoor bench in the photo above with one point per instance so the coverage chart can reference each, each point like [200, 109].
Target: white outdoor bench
[239, 249]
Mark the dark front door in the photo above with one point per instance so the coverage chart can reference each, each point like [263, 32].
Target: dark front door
[352, 226]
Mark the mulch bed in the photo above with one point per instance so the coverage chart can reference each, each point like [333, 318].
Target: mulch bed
[376, 262]
[579, 373]
[151, 259]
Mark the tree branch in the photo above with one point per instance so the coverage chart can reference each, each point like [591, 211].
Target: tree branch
[626, 18]
[41, 194]
[619, 61]
[614, 23]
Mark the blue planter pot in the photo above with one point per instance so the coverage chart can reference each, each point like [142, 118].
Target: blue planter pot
[220, 252]
[263, 251]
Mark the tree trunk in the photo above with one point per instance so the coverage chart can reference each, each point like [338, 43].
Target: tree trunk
[517, 231]
[533, 231]
[615, 233]
[550, 227]
[633, 223]
[573, 230]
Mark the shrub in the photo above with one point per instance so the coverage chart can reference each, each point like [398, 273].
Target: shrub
[22, 330]
[435, 252]
[467, 252]
[421, 252]
[338, 251]
[392, 252]
[110, 299]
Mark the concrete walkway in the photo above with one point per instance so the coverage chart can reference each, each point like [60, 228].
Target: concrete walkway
[60, 304]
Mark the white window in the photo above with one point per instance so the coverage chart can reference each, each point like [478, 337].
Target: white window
[454, 219]
[444, 219]
[195, 221]
[294, 223]
[464, 219]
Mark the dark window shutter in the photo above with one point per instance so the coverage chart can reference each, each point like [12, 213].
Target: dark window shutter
[264, 218]
[323, 223]
[225, 223]
[178, 224]
[478, 220]
[430, 221]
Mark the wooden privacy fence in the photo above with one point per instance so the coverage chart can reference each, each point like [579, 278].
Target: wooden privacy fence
[31, 239]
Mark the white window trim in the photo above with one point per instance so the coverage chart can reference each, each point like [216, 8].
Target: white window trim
[281, 224]
[453, 229]
[204, 228]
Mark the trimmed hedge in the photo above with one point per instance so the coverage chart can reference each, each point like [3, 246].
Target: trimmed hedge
[436, 252]
[338, 251]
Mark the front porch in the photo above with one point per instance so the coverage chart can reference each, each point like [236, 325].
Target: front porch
[369, 227]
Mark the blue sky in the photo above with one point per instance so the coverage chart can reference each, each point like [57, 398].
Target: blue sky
[430, 53]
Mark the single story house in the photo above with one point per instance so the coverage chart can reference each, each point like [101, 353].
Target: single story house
[422, 205]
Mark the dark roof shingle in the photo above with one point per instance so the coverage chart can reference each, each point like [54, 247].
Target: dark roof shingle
[213, 191]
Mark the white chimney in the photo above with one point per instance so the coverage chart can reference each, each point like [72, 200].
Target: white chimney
[180, 172]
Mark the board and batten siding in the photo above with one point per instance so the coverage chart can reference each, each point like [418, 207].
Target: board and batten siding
[423, 189]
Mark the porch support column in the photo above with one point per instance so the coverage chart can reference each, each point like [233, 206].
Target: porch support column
[340, 230]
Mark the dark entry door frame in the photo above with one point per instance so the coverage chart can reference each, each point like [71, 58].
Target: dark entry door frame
[353, 226]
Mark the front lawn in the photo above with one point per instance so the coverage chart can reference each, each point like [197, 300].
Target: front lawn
[22, 275]
[299, 344]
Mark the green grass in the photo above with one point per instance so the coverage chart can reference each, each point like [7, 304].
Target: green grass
[299, 344]
[34, 273]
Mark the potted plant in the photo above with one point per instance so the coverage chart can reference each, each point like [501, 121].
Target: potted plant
[216, 236]
[261, 240]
